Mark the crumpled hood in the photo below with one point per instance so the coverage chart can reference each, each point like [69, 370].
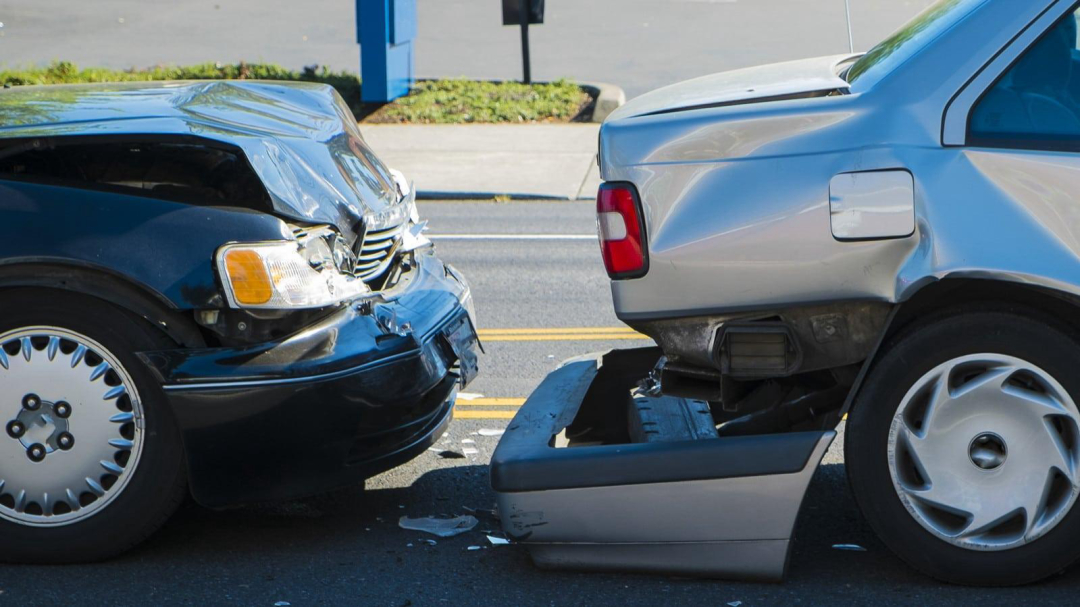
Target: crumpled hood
[761, 83]
[301, 138]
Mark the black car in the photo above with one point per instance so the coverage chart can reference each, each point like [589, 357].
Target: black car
[206, 287]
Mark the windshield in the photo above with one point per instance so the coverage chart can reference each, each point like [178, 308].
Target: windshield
[909, 39]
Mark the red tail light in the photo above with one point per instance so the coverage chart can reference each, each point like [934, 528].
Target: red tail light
[622, 231]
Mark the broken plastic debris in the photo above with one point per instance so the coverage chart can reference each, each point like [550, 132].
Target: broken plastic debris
[470, 451]
[851, 547]
[734, 603]
[442, 527]
[282, 604]
[498, 541]
[468, 441]
[428, 542]
[491, 432]
[474, 547]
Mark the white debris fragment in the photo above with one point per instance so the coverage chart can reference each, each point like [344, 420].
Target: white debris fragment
[850, 547]
[498, 541]
[442, 527]
[474, 548]
[429, 542]
[470, 451]
[282, 604]
[734, 603]
[468, 441]
[491, 432]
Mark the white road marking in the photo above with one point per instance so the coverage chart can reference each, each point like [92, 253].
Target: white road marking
[511, 236]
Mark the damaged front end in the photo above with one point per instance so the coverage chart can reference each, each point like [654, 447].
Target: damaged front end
[319, 339]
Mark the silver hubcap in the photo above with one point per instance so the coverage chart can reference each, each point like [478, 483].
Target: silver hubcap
[73, 426]
[983, 452]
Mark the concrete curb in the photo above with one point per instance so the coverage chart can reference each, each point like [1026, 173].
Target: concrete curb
[608, 98]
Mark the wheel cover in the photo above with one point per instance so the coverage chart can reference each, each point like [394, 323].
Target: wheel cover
[73, 426]
[983, 452]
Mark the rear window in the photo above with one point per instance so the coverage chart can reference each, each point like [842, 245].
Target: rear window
[910, 38]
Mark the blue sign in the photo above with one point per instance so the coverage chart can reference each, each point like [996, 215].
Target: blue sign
[386, 30]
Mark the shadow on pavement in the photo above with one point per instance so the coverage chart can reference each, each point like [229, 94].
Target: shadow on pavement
[347, 547]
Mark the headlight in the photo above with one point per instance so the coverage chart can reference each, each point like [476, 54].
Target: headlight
[324, 248]
[404, 210]
[276, 275]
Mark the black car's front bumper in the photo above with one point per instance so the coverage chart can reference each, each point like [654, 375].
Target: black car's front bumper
[365, 389]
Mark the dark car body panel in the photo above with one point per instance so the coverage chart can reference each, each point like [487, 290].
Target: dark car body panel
[300, 137]
[342, 400]
[166, 248]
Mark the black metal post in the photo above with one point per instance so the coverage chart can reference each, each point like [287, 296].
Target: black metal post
[526, 10]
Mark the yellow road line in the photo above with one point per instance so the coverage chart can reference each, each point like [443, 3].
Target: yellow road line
[462, 414]
[490, 402]
[556, 330]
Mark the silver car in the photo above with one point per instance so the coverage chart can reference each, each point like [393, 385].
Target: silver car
[894, 237]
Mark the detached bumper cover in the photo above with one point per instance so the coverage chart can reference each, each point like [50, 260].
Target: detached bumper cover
[719, 507]
[349, 397]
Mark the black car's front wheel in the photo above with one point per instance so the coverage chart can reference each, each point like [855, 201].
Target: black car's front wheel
[963, 449]
[90, 460]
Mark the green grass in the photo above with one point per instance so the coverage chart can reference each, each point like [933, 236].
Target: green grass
[451, 101]
[65, 72]
[466, 101]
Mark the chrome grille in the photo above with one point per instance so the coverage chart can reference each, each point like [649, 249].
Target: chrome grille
[377, 251]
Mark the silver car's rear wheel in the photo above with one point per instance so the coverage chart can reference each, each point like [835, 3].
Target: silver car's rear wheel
[983, 451]
[73, 427]
[963, 445]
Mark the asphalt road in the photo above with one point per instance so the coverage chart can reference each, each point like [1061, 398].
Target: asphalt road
[346, 547]
[637, 44]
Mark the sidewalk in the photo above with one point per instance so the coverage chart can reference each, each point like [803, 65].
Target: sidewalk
[552, 161]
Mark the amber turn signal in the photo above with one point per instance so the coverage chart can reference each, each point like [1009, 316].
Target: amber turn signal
[250, 281]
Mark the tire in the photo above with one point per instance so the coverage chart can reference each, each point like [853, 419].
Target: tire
[108, 484]
[947, 476]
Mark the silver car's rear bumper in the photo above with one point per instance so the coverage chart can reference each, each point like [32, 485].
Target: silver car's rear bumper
[716, 507]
